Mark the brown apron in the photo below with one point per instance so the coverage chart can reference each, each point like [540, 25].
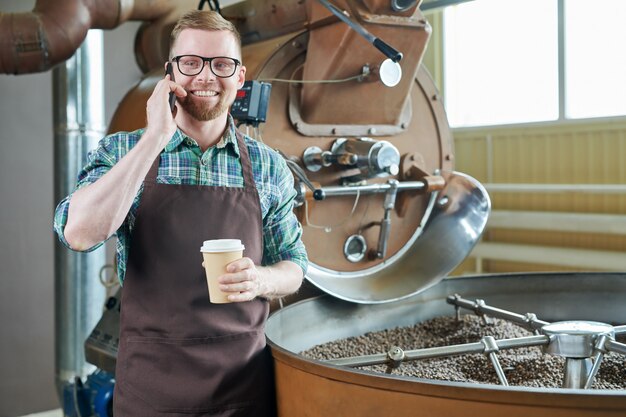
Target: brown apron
[180, 355]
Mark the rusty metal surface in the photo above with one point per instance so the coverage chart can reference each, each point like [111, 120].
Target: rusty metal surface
[336, 52]
[427, 133]
[37, 40]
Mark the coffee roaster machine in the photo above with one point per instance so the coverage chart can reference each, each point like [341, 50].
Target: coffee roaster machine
[386, 218]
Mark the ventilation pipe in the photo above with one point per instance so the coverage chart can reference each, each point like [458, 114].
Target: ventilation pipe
[78, 106]
[36, 41]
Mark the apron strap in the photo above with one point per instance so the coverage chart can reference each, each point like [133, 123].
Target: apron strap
[154, 170]
[246, 165]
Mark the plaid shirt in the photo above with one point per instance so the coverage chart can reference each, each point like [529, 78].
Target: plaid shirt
[220, 166]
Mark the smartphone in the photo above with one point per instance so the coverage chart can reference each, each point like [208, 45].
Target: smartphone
[169, 69]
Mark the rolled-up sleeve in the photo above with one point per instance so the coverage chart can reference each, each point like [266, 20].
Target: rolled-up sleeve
[99, 162]
[282, 232]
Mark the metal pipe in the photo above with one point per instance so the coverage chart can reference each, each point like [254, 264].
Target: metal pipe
[614, 346]
[36, 41]
[479, 307]
[491, 347]
[436, 352]
[498, 368]
[620, 329]
[600, 349]
[78, 96]
[334, 191]
[576, 372]
[385, 224]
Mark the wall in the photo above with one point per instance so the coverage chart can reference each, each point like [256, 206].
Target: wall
[590, 152]
[26, 251]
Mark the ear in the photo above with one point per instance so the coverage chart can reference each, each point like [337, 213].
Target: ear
[241, 76]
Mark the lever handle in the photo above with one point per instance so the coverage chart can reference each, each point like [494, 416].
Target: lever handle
[389, 51]
[318, 193]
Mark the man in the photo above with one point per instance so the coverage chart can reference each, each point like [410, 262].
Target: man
[189, 177]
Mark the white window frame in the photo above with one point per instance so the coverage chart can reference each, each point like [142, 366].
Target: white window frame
[562, 119]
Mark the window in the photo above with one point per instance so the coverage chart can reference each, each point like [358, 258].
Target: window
[595, 58]
[502, 61]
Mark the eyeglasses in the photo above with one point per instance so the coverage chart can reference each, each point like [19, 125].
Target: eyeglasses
[221, 66]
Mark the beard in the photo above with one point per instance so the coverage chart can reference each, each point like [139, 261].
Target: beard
[202, 111]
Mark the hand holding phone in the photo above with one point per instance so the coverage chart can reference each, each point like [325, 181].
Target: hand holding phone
[172, 99]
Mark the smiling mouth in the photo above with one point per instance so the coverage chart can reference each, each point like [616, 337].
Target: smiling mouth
[205, 93]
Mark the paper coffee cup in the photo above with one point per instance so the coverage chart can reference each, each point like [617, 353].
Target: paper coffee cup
[217, 254]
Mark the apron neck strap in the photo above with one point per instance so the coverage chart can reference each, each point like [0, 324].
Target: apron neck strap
[244, 157]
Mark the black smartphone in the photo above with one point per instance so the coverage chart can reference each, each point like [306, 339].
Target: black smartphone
[170, 70]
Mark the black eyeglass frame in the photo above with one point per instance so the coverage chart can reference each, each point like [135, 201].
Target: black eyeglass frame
[204, 61]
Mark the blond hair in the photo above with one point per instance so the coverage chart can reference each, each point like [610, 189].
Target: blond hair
[204, 20]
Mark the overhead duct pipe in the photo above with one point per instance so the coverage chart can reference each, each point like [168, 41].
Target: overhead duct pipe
[78, 96]
[36, 41]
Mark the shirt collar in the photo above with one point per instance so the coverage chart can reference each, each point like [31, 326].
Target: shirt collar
[176, 140]
[228, 137]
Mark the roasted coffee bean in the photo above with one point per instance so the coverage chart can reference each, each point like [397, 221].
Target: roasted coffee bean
[522, 366]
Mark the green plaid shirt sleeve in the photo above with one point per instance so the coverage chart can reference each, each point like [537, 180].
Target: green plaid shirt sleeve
[281, 230]
[99, 162]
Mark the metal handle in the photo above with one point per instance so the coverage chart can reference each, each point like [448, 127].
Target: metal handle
[383, 47]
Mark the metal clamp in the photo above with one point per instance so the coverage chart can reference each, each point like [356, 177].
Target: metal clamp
[491, 347]
[395, 356]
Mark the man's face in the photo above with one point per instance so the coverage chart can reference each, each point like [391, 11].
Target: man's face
[208, 96]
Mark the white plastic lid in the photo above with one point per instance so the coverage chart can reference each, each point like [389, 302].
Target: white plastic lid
[221, 245]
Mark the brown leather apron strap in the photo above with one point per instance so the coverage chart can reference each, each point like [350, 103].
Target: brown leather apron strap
[246, 165]
[154, 170]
